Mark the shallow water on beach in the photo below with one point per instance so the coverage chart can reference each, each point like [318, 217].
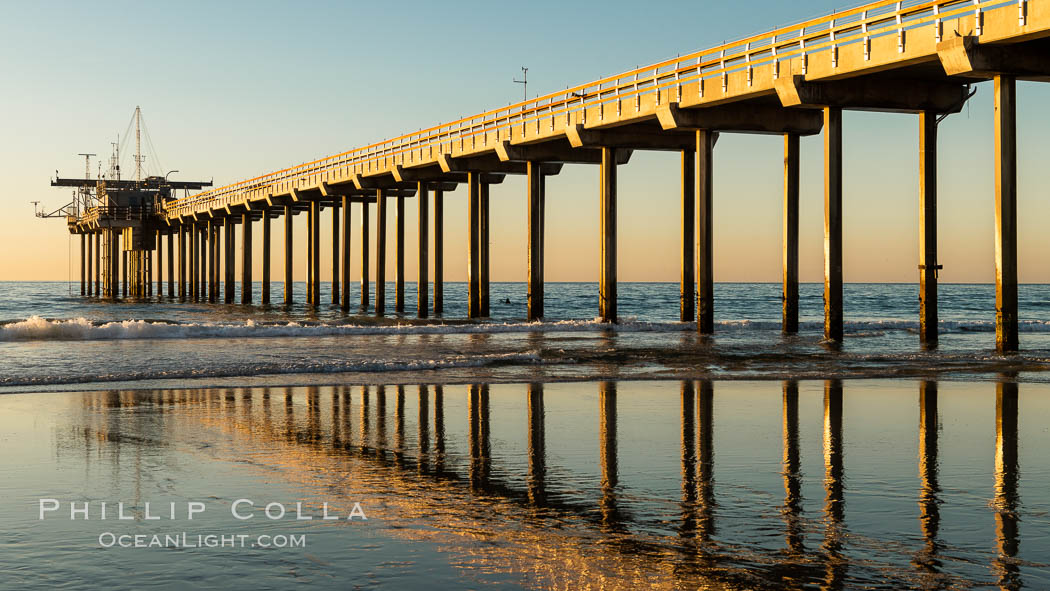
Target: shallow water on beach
[663, 484]
[50, 339]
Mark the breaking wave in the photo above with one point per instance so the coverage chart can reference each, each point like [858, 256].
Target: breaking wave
[36, 328]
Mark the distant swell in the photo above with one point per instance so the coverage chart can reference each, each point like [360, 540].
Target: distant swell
[260, 369]
[37, 328]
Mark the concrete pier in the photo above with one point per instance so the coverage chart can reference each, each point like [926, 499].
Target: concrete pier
[182, 262]
[607, 229]
[345, 279]
[399, 256]
[380, 254]
[192, 263]
[928, 266]
[246, 258]
[833, 224]
[789, 322]
[687, 288]
[1006, 339]
[288, 258]
[474, 245]
[439, 252]
[705, 282]
[98, 264]
[365, 246]
[423, 258]
[536, 222]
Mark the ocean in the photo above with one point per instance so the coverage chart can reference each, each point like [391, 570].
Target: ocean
[50, 337]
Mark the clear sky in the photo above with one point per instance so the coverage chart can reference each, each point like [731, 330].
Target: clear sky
[231, 90]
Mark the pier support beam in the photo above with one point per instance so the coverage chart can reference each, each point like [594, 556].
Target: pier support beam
[607, 228]
[98, 264]
[265, 297]
[705, 283]
[288, 262]
[536, 222]
[381, 254]
[423, 259]
[313, 253]
[399, 256]
[246, 258]
[1006, 339]
[230, 264]
[171, 264]
[335, 254]
[485, 267]
[213, 260]
[182, 262]
[439, 252]
[687, 290]
[124, 282]
[83, 262]
[160, 263]
[90, 263]
[789, 297]
[344, 294]
[928, 229]
[474, 251]
[193, 262]
[365, 246]
[833, 224]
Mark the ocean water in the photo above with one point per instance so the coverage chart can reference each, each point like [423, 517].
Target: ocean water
[52, 338]
[854, 484]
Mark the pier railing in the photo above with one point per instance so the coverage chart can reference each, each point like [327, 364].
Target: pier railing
[665, 79]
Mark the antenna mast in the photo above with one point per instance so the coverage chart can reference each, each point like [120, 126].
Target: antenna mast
[85, 192]
[138, 144]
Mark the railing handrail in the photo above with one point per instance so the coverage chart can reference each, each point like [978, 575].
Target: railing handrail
[728, 57]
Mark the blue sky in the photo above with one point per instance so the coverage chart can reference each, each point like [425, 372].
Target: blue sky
[235, 89]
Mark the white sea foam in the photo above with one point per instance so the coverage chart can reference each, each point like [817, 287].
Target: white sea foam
[294, 367]
[38, 328]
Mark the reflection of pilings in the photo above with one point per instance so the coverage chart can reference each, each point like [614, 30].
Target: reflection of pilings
[929, 503]
[478, 403]
[689, 483]
[1006, 497]
[424, 426]
[380, 419]
[337, 423]
[792, 509]
[348, 431]
[706, 460]
[537, 447]
[607, 451]
[439, 429]
[313, 413]
[289, 413]
[399, 425]
[365, 426]
[834, 506]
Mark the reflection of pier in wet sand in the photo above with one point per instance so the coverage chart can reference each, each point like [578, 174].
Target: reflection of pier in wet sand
[816, 551]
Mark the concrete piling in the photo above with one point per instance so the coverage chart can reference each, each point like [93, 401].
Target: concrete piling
[381, 254]
[833, 315]
[344, 294]
[265, 296]
[687, 288]
[422, 260]
[399, 255]
[246, 258]
[607, 229]
[439, 252]
[789, 297]
[928, 266]
[536, 222]
[288, 262]
[474, 244]
[705, 282]
[484, 267]
[335, 254]
[365, 246]
[1006, 339]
